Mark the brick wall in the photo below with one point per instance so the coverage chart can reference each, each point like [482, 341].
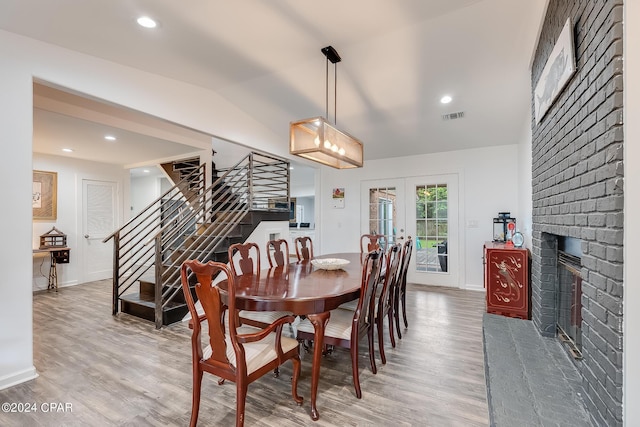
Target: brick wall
[577, 192]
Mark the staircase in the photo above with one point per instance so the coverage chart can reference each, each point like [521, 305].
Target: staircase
[191, 221]
[183, 173]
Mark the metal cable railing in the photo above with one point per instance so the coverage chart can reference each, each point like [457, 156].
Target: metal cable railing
[194, 224]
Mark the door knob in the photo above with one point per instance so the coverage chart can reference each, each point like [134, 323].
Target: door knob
[86, 236]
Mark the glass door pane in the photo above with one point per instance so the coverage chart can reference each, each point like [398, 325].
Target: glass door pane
[382, 213]
[431, 228]
[383, 209]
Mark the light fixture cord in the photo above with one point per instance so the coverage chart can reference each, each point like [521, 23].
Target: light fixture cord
[326, 91]
[335, 92]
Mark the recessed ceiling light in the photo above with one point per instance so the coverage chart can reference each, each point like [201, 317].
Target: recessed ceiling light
[146, 171]
[110, 137]
[446, 99]
[291, 168]
[67, 150]
[145, 21]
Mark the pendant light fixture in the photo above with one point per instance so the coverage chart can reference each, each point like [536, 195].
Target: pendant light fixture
[318, 140]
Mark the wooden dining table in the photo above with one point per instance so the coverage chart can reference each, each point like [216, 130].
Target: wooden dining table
[303, 289]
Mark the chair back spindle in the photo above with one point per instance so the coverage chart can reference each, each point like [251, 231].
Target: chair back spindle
[371, 242]
[401, 287]
[384, 306]
[248, 261]
[304, 248]
[278, 252]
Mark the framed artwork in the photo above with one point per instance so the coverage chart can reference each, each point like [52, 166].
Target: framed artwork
[560, 66]
[45, 195]
[337, 196]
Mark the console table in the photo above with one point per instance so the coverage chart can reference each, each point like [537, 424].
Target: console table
[506, 278]
[57, 255]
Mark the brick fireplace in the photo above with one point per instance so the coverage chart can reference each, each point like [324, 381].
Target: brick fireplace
[577, 180]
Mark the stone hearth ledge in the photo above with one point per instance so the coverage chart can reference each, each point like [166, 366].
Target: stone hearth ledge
[530, 379]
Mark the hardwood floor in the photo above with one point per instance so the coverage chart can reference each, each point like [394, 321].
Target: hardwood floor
[122, 371]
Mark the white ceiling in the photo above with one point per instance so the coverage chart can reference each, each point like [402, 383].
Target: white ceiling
[399, 57]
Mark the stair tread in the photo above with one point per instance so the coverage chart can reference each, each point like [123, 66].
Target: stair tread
[148, 301]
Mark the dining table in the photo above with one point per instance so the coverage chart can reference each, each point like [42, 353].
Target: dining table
[305, 290]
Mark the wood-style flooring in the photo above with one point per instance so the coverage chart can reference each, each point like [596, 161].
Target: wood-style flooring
[120, 370]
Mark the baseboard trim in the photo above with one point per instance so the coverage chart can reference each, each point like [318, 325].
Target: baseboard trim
[18, 378]
[45, 288]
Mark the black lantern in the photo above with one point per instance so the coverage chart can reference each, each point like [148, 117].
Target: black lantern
[501, 230]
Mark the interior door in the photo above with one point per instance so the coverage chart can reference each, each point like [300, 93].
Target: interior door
[432, 221]
[382, 208]
[99, 219]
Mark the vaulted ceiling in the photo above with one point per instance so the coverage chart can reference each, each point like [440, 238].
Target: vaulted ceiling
[399, 57]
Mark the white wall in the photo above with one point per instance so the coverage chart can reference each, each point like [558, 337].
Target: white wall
[303, 183]
[71, 172]
[145, 190]
[16, 337]
[488, 185]
[309, 209]
[631, 332]
[21, 61]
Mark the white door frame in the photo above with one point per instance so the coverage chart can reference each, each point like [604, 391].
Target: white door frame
[455, 271]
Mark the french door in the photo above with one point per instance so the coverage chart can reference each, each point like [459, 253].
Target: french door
[425, 208]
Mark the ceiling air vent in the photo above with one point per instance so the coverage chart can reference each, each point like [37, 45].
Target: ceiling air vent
[453, 116]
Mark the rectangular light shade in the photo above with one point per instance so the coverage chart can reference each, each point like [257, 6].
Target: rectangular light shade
[317, 140]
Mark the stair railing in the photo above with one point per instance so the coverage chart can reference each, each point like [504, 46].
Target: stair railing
[199, 225]
[133, 258]
[257, 182]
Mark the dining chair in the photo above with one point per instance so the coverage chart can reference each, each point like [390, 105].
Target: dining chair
[401, 287]
[345, 328]
[384, 302]
[240, 354]
[244, 258]
[278, 252]
[304, 248]
[248, 259]
[371, 242]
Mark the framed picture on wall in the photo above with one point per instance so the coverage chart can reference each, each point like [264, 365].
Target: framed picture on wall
[337, 197]
[560, 66]
[45, 195]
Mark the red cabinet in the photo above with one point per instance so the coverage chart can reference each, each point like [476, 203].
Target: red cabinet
[506, 279]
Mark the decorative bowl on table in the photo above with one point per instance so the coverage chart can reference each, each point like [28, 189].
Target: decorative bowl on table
[329, 263]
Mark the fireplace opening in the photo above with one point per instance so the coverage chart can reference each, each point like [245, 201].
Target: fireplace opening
[569, 294]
